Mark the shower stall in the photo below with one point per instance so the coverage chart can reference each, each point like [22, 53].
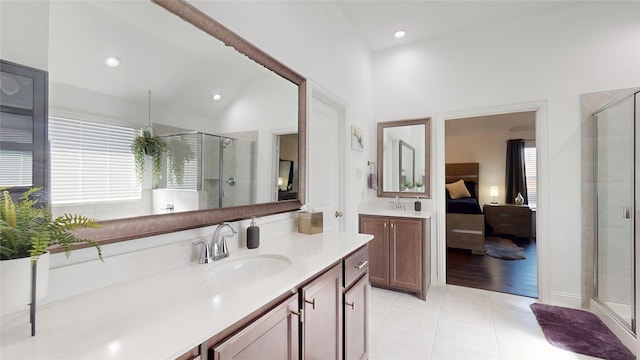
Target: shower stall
[617, 194]
[204, 171]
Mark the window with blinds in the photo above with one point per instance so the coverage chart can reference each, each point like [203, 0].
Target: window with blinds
[530, 172]
[91, 162]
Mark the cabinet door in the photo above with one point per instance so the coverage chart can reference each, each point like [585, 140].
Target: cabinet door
[322, 326]
[378, 248]
[356, 327]
[406, 254]
[272, 336]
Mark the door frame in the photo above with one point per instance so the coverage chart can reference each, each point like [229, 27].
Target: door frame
[542, 154]
[320, 94]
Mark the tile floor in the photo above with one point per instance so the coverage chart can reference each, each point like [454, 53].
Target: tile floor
[457, 323]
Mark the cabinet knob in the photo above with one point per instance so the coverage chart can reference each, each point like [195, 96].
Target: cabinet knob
[352, 304]
[339, 213]
[313, 303]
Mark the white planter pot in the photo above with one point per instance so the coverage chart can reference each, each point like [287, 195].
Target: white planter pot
[15, 288]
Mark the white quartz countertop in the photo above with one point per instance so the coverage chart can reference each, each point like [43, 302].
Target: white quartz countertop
[165, 315]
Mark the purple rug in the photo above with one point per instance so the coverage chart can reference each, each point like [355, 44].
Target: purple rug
[579, 331]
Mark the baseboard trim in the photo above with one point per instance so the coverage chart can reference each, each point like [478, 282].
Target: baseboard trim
[565, 299]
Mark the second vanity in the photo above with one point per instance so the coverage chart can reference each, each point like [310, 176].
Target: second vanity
[200, 309]
[400, 252]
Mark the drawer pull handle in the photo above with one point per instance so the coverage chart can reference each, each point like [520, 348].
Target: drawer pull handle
[313, 303]
[353, 305]
[361, 264]
[299, 314]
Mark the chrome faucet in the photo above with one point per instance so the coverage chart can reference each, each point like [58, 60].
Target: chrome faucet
[399, 205]
[219, 248]
[205, 254]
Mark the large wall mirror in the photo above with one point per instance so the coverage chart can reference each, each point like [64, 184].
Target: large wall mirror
[220, 105]
[403, 158]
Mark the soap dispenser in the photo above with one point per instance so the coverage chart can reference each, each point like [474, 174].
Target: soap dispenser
[417, 206]
[253, 235]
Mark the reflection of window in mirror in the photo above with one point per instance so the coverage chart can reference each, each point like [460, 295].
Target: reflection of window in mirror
[287, 171]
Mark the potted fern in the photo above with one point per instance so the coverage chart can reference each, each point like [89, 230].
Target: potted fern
[26, 232]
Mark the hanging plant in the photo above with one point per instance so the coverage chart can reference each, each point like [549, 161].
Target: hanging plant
[148, 145]
[179, 152]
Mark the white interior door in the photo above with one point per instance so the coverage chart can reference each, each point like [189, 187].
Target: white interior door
[326, 158]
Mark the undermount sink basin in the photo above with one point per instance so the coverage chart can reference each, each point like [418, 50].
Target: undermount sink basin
[246, 269]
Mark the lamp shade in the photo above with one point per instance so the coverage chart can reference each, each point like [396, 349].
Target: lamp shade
[493, 191]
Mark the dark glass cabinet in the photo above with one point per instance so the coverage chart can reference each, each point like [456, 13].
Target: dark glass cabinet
[24, 159]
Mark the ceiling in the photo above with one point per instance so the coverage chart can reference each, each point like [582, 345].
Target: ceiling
[376, 21]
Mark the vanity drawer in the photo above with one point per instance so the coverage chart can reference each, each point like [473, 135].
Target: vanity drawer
[355, 265]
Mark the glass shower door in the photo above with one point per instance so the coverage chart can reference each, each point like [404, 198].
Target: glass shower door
[236, 169]
[615, 243]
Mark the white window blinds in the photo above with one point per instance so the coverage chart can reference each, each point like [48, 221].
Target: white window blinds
[91, 162]
[530, 172]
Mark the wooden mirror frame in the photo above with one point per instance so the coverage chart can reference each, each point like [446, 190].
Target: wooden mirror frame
[118, 230]
[426, 194]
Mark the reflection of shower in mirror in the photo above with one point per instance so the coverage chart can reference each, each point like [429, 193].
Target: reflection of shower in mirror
[211, 178]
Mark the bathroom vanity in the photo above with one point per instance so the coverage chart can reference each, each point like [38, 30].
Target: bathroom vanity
[202, 311]
[400, 252]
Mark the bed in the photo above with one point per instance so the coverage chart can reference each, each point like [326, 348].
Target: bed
[465, 220]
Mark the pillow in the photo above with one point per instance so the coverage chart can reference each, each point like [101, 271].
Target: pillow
[458, 190]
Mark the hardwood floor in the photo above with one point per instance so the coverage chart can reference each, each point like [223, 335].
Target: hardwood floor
[518, 277]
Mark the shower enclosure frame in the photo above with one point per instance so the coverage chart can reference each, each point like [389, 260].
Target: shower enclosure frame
[631, 212]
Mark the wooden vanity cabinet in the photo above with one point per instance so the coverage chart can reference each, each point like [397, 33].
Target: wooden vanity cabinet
[321, 302]
[274, 335]
[396, 253]
[193, 354]
[356, 305]
[324, 319]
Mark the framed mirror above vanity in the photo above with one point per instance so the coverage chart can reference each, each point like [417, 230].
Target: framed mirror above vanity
[218, 102]
[404, 158]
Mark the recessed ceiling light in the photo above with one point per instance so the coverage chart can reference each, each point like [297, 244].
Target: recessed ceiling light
[216, 97]
[399, 34]
[113, 61]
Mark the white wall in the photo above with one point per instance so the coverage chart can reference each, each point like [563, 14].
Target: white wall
[553, 57]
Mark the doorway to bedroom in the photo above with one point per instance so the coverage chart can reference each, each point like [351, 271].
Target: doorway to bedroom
[490, 176]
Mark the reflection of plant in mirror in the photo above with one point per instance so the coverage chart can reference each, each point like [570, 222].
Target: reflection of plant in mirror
[151, 146]
[418, 184]
[408, 185]
[178, 153]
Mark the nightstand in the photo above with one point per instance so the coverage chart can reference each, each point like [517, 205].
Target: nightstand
[509, 219]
